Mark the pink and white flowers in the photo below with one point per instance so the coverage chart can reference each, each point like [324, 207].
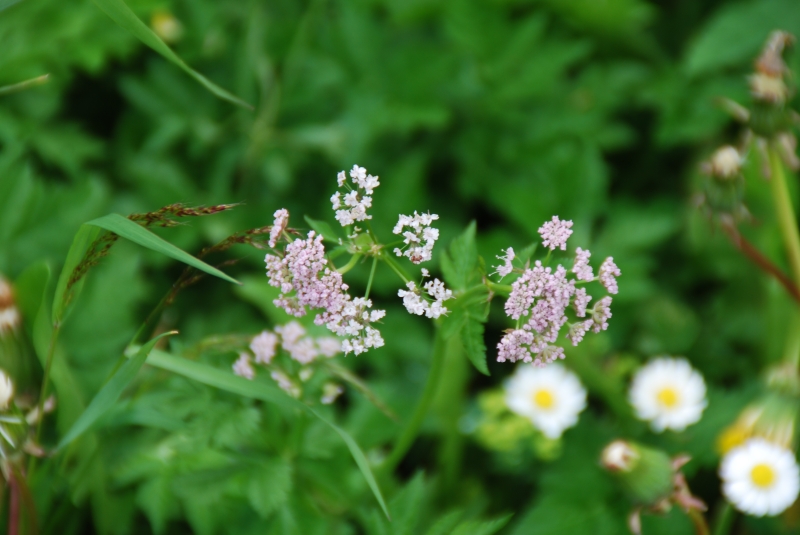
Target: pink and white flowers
[353, 205]
[419, 239]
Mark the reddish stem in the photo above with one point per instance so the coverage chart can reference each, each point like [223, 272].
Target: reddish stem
[760, 260]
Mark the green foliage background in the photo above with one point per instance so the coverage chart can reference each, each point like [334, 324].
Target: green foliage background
[500, 111]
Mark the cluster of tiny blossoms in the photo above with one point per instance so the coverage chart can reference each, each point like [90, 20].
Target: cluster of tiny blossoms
[353, 205]
[292, 338]
[415, 303]
[307, 281]
[421, 237]
[541, 296]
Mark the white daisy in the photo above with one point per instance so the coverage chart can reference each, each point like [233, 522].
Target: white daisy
[669, 394]
[760, 478]
[550, 397]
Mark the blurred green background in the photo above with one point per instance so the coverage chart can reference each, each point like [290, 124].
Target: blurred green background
[501, 111]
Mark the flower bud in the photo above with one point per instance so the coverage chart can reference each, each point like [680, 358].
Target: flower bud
[9, 315]
[6, 390]
[725, 163]
[646, 474]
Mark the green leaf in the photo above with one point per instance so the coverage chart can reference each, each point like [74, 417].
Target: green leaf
[80, 244]
[488, 527]
[110, 393]
[460, 268]
[134, 232]
[472, 338]
[322, 227]
[123, 16]
[269, 486]
[265, 392]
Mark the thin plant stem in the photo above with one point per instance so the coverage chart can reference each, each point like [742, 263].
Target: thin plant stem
[723, 521]
[395, 267]
[787, 221]
[46, 379]
[699, 522]
[13, 505]
[764, 263]
[349, 265]
[371, 276]
[412, 427]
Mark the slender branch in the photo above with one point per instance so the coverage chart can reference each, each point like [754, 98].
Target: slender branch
[13, 505]
[699, 522]
[411, 429]
[723, 520]
[371, 276]
[751, 252]
[787, 221]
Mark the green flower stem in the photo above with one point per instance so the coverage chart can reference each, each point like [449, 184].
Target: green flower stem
[395, 266]
[350, 265]
[411, 429]
[723, 520]
[699, 522]
[787, 221]
[371, 276]
[502, 289]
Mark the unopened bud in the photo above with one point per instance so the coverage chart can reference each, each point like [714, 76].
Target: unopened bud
[6, 390]
[770, 89]
[725, 163]
[9, 315]
[646, 474]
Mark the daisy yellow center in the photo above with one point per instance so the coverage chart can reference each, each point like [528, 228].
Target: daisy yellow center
[668, 397]
[544, 399]
[762, 475]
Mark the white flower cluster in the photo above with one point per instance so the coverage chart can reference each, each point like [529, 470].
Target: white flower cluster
[419, 239]
[353, 320]
[415, 303]
[353, 205]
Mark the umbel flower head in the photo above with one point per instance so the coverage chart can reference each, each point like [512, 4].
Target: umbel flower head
[541, 298]
[551, 398]
[760, 478]
[668, 393]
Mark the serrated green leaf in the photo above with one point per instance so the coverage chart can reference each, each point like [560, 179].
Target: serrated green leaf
[446, 524]
[488, 527]
[322, 227]
[460, 267]
[269, 485]
[136, 233]
[125, 18]
[472, 338]
[158, 502]
[110, 392]
[265, 392]
[453, 322]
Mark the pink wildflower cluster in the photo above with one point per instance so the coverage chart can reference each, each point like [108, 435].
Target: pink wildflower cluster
[353, 205]
[541, 297]
[420, 238]
[415, 303]
[555, 233]
[294, 340]
[306, 281]
[281, 220]
[507, 267]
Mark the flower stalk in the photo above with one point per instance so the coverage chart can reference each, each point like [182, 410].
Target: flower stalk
[787, 221]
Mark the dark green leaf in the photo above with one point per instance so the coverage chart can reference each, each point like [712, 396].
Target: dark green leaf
[472, 338]
[460, 268]
[265, 392]
[269, 485]
[322, 227]
[110, 393]
[122, 15]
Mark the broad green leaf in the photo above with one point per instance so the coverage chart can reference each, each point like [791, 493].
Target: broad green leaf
[324, 228]
[269, 485]
[266, 392]
[472, 338]
[80, 244]
[110, 393]
[5, 4]
[460, 268]
[134, 232]
[123, 16]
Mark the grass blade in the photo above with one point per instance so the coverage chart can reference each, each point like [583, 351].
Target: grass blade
[224, 380]
[13, 88]
[134, 232]
[80, 244]
[110, 393]
[127, 19]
